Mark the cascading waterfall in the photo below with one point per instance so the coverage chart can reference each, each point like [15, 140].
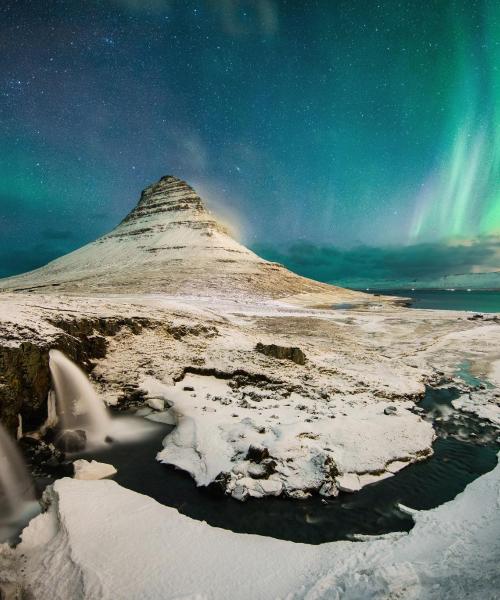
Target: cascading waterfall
[79, 406]
[18, 503]
[16, 486]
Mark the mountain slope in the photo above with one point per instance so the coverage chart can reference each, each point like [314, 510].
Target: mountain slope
[170, 243]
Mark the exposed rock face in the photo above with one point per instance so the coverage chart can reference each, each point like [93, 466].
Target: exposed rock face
[295, 354]
[170, 243]
[24, 385]
[169, 195]
[25, 378]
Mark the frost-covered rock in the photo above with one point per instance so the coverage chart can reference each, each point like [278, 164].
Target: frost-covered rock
[156, 404]
[349, 482]
[92, 470]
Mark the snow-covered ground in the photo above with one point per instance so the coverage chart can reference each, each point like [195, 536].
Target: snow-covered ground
[168, 312]
[322, 425]
[307, 447]
[98, 541]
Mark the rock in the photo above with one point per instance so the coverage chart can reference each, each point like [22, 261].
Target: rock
[37, 451]
[92, 470]
[282, 352]
[166, 417]
[156, 404]
[71, 440]
[349, 482]
[131, 398]
[256, 454]
[390, 410]
[240, 493]
[188, 388]
[257, 471]
[329, 489]
[298, 494]
[271, 487]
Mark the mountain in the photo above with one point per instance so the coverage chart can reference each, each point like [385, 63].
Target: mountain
[170, 243]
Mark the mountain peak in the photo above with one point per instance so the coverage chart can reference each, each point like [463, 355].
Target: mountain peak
[168, 195]
[168, 243]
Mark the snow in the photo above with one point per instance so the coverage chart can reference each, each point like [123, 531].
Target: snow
[92, 470]
[495, 373]
[182, 248]
[217, 425]
[105, 542]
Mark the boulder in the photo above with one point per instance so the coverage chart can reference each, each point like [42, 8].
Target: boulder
[282, 352]
[329, 489]
[262, 470]
[349, 482]
[156, 404]
[256, 454]
[92, 470]
[71, 440]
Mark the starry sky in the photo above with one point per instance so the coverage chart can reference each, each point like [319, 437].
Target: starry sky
[315, 127]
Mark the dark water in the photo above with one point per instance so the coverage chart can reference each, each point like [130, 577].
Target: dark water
[373, 510]
[476, 301]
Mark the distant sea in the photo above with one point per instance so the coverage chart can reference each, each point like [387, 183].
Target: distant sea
[475, 300]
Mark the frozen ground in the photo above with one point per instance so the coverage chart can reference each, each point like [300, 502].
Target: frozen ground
[105, 542]
[167, 312]
[264, 425]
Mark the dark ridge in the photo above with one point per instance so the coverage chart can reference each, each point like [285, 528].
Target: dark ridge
[212, 372]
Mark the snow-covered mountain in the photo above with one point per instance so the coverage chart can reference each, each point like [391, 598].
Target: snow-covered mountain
[170, 243]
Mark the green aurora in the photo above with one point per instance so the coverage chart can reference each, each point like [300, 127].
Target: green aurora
[342, 125]
[461, 199]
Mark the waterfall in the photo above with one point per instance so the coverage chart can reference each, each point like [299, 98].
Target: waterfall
[16, 486]
[78, 404]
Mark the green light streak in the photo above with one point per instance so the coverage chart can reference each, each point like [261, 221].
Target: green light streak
[462, 197]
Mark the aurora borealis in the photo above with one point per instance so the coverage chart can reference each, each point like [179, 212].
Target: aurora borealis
[461, 198]
[314, 125]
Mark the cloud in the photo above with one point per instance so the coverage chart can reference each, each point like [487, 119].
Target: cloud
[414, 262]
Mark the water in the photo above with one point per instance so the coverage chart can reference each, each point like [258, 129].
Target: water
[79, 406]
[372, 511]
[17, 494]
[476, 300]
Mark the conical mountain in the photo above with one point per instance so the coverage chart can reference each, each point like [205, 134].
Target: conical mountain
[169, 243]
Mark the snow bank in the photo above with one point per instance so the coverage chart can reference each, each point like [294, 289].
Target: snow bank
[92, 470]
[299, 444]
[108, 543]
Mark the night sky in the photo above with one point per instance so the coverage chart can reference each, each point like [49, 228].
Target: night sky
[314, 124]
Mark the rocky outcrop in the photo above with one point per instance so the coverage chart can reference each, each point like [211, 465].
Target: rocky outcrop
[25, 379]
[282, 352]
[24, 385]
